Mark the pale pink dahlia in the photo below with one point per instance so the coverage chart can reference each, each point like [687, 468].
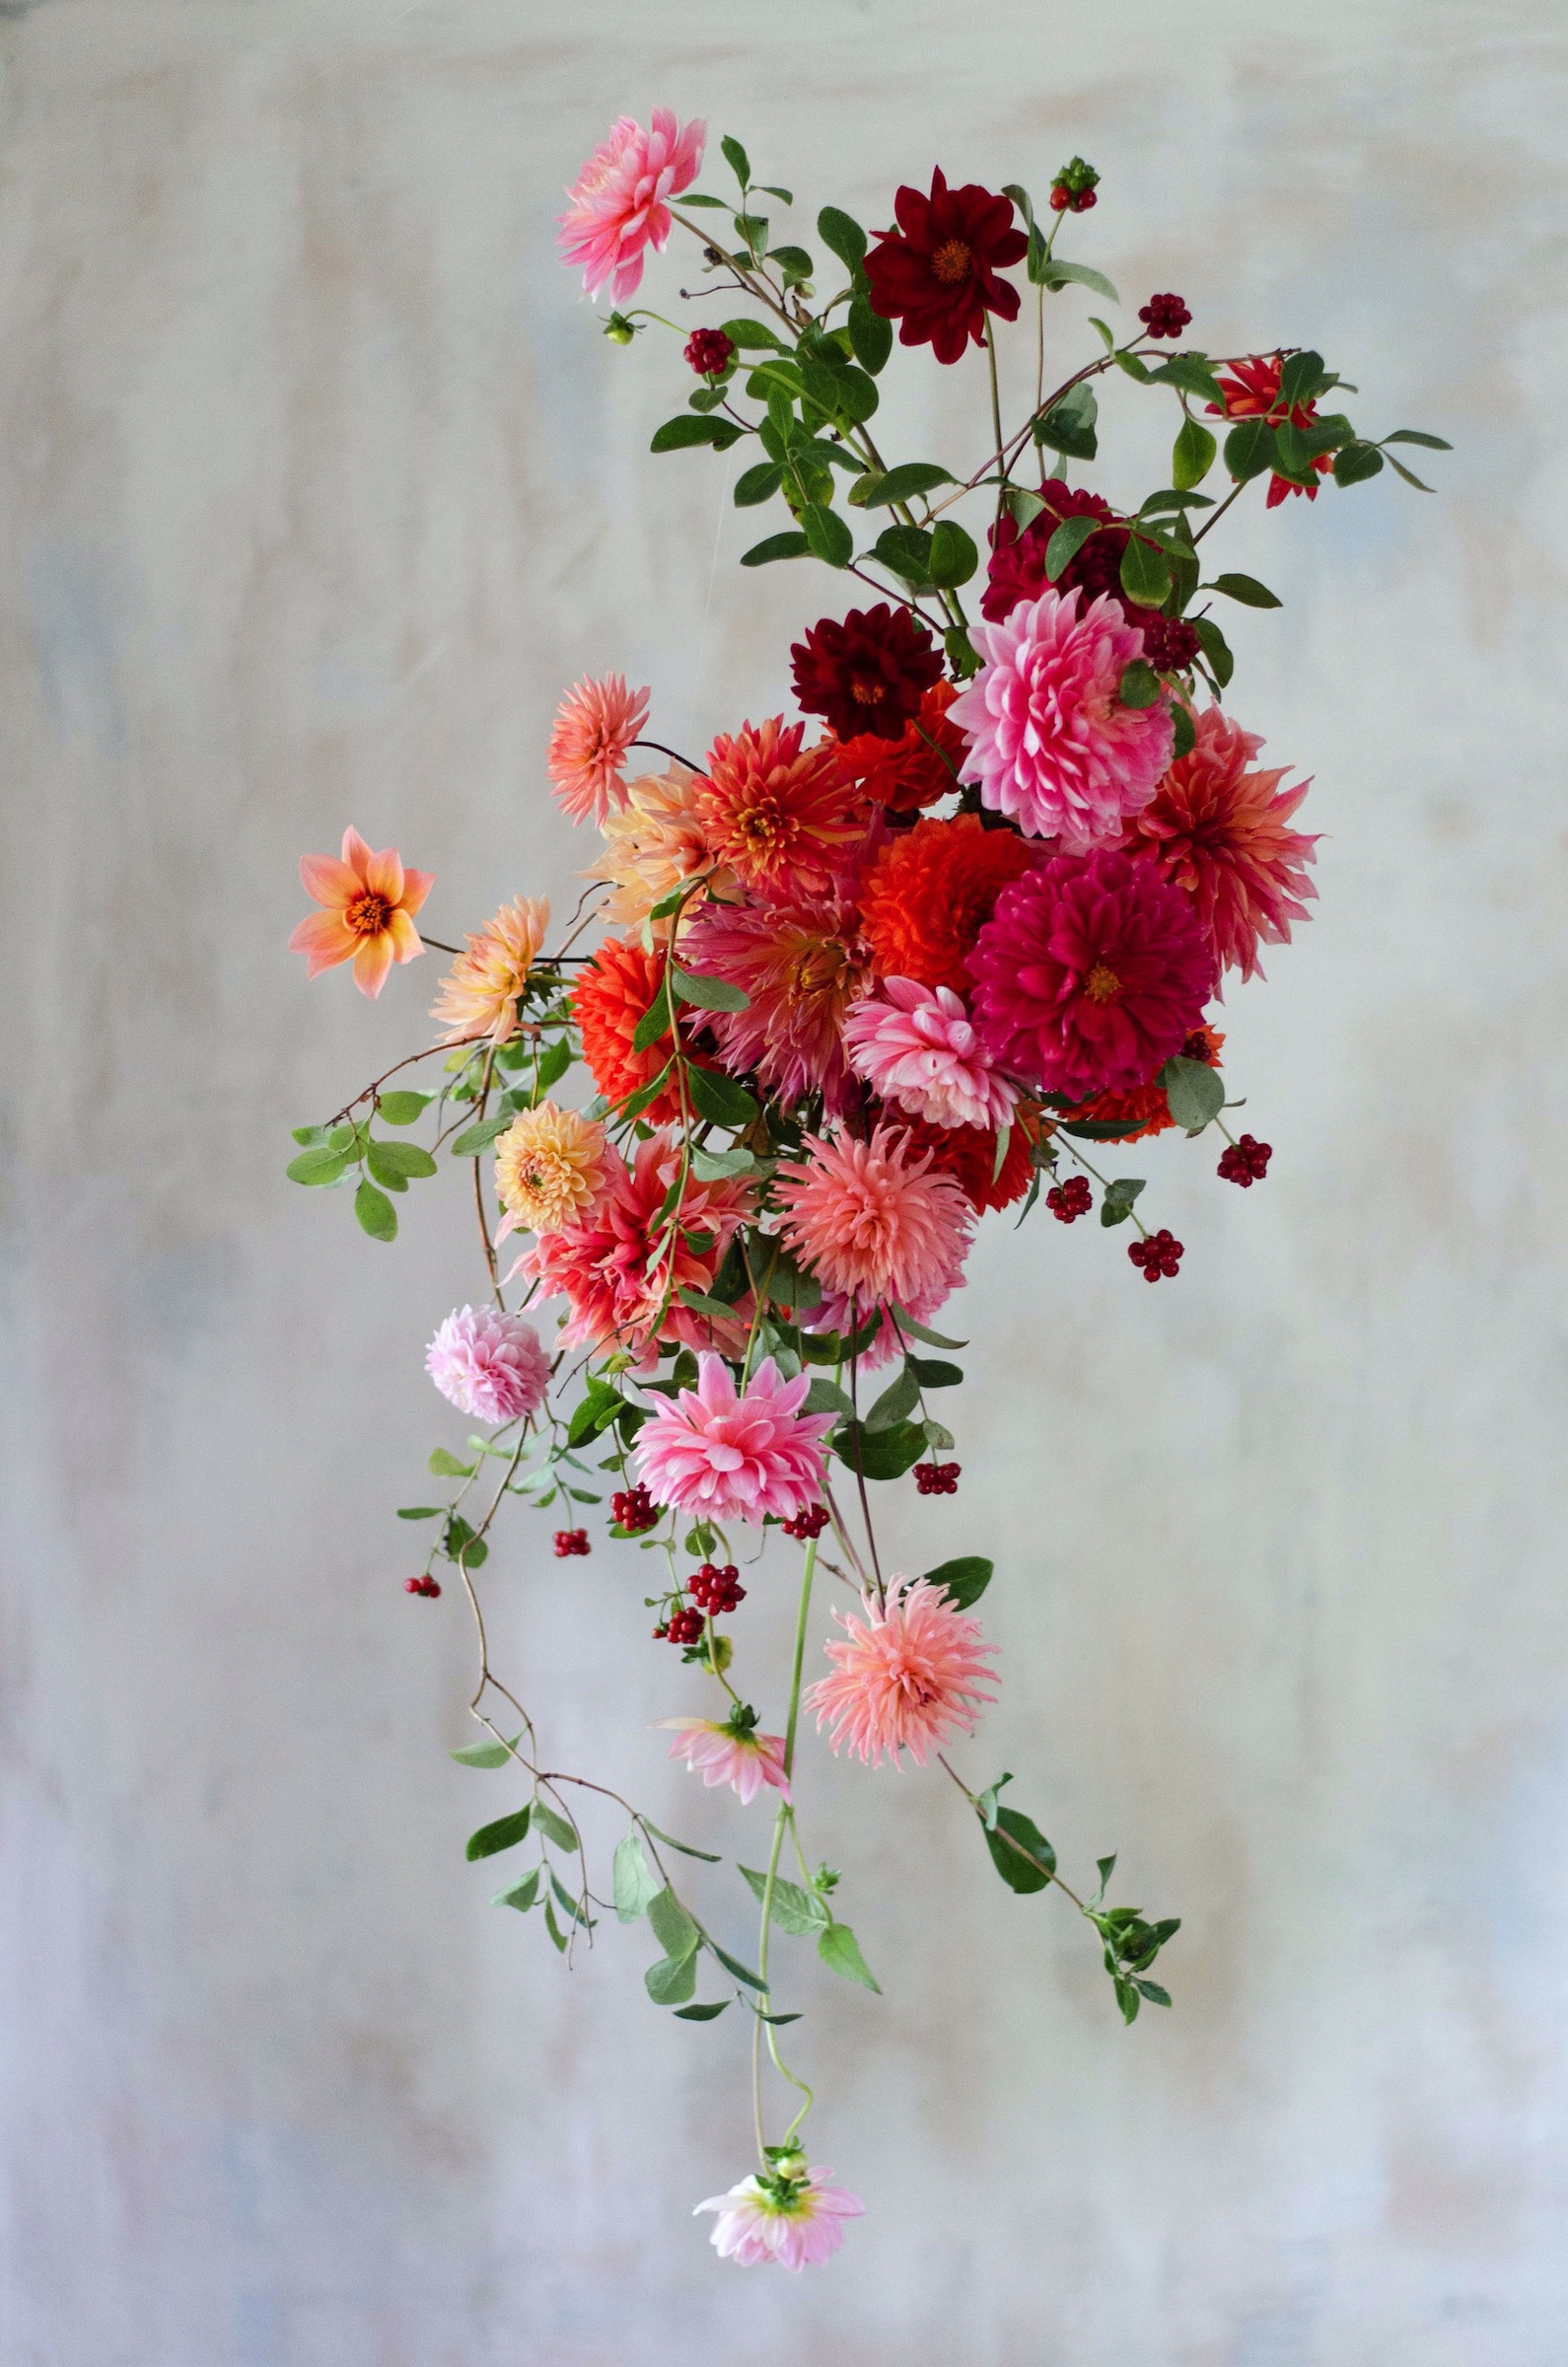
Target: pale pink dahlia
[906, 1678]
[790, 2214]
[802, 962]
[726, 1456]
[875, 1219]
[1051, 746]
[916, 1046]
[595, 726]
[1090, 974]
[733, 1753]
[619, 199]
[488, 1364]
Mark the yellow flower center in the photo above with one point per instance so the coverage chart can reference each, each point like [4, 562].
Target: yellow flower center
[864, 691]
[368, 914]
[1102, 984]
[951, 261]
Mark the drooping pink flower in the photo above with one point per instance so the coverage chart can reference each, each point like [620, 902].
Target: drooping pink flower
[801, 960]
[916, 1046]
[723, 1456]
[619, 199]
[595, 726]
[370, 903]
[1051, 746]
[790, 2214]
[906, 1678]
[488, 1364]
[731, 1752]
[1090, 974]
[875, 1219]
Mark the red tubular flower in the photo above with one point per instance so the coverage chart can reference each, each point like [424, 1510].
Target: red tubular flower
[916, 771]
[936, 273]
[1251, 392]
[867, 675]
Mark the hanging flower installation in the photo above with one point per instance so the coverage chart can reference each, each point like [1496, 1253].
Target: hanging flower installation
[928, 951]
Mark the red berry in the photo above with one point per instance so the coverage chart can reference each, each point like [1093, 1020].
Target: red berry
[1170, 644]
[937, 1478]
[1061, 199]
[1246, 1162]
[1165, 316]
[633, 1509]
[810, 1523]
[708, 350]
[1159, 1255]
[716, 1591]
[420, 1586]
[571, 1541]
[1084, 200]
[1070, 1200]
[683, 1626]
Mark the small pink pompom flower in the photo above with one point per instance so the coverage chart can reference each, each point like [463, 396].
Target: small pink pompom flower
[733, 1753]
[488, 1364]
[595, 726]
[1051, 746]
[726, 1456]
[619, 199]
[916, 1046]
[790, 2214]
[906, 1678]
[875, 1219]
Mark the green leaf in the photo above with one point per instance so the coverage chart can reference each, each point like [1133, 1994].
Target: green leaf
[879, 1455]
[1413, 435]
[486, 1754]
[906, 551]
[1194, 1092]
[1356, 463]
[736, 158]
[695, 198]
[1292, 458]
[733, 1964]
[825, 1397]
[447, 1467]
[844, 235]
[1067, 541]
[553, 1929]
[476, 1139]
[597, 1410]
[1134, 368]
[709, 994]
[870, 334]
[554, 1827]
[375, 1213]
[797, 1911]
[747, 333]
[932, 1373]
[777, 546]
[1192, 456]
[702, 2013]
[1140, 685]
[1145, 573]
[1153, 1991]
[715, 1309]
[965, 1578]
[1020, 1851]
[904, 483]
[671, 1980]
[1300, 378]
[1024, 505]
[420, 1512]
[401, 1159]
[757, 485]
[522, 1895]
[634, 1880]
[896, 1400]
[954, 557]
[1245, 589]
[1069, 426]
[393, 1178]
[784, 196]
[716, 1166]
[840, 1951]
[829, 538]
[1215, 648]
[1184, 731]
[1409, 475]
[654, 1024]
[1116, 1206]
[719, 1098]
[317, 1167]
[690, 427]
[1056, 274]
[678, 1935]
[793, 261]
[504, 1833]
[404, 1108]
[684, 1847]
[1191, 373]
[1249, 449]
[933, 1339]
[311, 1136]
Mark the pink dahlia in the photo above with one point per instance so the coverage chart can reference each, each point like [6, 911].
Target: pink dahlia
[1220, 832]
[1051, 746]
[788, 2215]
[488, 1364]
[801, 960]
[848, 1312]
[876, 1220]
[728, 1457]
[906, 1678]
[733, 1753]
[1090, 972]
[916, 1046]
[619, 199]
[595, 726]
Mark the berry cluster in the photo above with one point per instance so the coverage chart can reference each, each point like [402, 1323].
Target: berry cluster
[569, 1541]
[1164, 315]
[1160, 1254]
[633, 1509]
[716, 1591]
[937, 1478]
[421, 1585]
[807, 1524]
[1070, 1200]
[1246, 1162]
[1073, 190]
[683, 1626]
[708, 350]
[1170, 643]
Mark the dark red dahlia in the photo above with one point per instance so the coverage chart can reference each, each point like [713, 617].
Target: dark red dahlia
[868, 675]
[708, 350]
[936, 273]
[1018, 572]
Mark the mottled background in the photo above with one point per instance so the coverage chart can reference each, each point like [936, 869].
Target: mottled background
[318, 486]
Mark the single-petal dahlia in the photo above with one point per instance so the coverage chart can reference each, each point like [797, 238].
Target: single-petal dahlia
[370, 901]
[619, 199]
[549, 1169]
[931, 891]
[1220, 832]
[790, 2214]
[1090, 972]
[1252, 390]
[968, 1154]
[613, 993]
[914, 771]
[935, 274]
[731, 1752]
[916, 1046]
[1051, 744]
[726, 1456]
[595, 726]
[621, 1270]
[1146, 1108]
[480, 993]
[783, 818]
[801, 960]
[874, 1219]
[489, 1365]
[867, 674]
[655, 842]
[906, 1678]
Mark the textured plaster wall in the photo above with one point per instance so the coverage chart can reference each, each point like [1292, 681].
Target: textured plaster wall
[316, 486]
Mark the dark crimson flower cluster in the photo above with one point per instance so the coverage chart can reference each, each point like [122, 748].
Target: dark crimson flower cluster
[421, 1585]
[1164, 315]
[937, 1478]
[683, 1626]
[633, 1509]
[569, 1541]
[1017, 571]
[936, 273]
[807, 1524]
[1246, 1162]
[716, 1590]
[1159, 1255]
[1073, 190]
[709, 351]
[868, 675]
[1070, 1200]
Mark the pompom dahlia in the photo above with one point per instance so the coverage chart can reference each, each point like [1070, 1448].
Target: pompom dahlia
[722, 1456]
[370, 901]
[968, 1154]
[874, 1219]
[788, 2215]
[907, 1677]
[803, 962]
[915, 770]
[1220, 831]
[916, 1046]
[731, 1752]
[931, 891]
[595, 726]
[1090, 972]
[479, 994]
[489, 1365]
[782, 816]
[549, 1169]
[618, 201]
[867, 675]
[613, 993]
[652, 844]
[1052, 746]
[935, 274]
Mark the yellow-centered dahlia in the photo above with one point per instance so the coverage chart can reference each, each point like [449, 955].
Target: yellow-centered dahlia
[549, 1169]
[479, 992]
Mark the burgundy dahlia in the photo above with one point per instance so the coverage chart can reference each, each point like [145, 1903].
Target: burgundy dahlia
[937, 272]
[1017, 572]
[868, 675]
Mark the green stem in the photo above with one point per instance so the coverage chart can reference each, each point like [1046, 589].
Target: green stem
[779, 1822]
[996, 412]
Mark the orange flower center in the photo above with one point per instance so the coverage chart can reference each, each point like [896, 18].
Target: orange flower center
[760, 825]
[864, 691]
[368, 914]
[951, 261]
[1102, 984]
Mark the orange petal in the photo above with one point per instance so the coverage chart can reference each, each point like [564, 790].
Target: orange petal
[357, 855]
[406, 942]
[324, 941]
[373, 962]
[416, 886]
[384, 875]
[327, 880]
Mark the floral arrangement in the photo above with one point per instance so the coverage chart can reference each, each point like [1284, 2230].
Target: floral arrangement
[924, 954]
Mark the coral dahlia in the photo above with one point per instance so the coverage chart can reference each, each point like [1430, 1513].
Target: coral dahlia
[788, 2215]
[481, 993]
[618, 201]
[370, 901]
[731, 1752]
[930, 892]
[721, 1454]
[783, 818]
[867, 675]
[801, 960]
[489, 1365]
[1092, 971]
[595, 726]
[916, 1046]
[906, 1677]
[613, 993]
[935, 274]
[549, 1169]
[874, 1219]
[654, 843]
[914, 771]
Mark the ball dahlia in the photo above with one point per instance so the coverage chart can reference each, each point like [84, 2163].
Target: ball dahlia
[724, 1454]
[930, 892]
[906, 1677]
[549, 1169]
[489, 1365]
[867, 675]
[618, 201]
[875, 1220]
[783, 818]
[935, 274]
[803, 961]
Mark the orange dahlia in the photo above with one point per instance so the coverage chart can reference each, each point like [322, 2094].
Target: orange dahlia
[929, 894]
[968, 1154]
[1147, 1103]
[917, 769]
[613, 993]
[782, 816]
